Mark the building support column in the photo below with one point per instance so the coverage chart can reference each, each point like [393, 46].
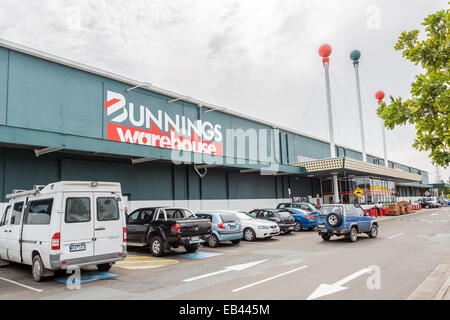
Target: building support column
[335, 189]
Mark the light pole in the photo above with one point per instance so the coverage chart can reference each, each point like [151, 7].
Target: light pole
[325, 51]
[355, 55]
[380, 96]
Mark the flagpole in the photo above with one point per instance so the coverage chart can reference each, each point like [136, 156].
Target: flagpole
[355, 55]
[380, 96]
[325, 51]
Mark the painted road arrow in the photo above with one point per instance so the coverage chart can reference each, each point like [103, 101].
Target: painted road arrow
[238, 267]
[327, 289]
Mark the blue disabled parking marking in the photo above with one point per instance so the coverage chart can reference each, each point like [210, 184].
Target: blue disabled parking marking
[200, 255]
[89, 277]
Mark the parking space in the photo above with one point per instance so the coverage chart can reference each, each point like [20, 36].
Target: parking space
[288, 266]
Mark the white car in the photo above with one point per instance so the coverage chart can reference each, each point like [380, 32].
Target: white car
[62, 225]
[257, 228]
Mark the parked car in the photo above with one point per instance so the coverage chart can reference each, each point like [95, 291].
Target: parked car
[443, 202]
[225, 227]
[346, 220]
[257, 228]
[304, 206]
[430, 202]
[303, 219]
[162, 228]
[64, 224]
[283, 218]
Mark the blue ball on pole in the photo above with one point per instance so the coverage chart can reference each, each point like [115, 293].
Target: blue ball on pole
[355, 55]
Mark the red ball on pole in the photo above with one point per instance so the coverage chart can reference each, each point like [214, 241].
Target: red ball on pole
[325, 50]
[380, 96]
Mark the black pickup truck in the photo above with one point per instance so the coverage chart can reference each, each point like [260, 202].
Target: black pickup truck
[161, 228]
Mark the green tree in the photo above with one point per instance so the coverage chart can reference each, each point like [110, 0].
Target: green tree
[429, 106]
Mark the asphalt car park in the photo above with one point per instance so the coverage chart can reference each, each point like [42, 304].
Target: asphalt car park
[288, 266]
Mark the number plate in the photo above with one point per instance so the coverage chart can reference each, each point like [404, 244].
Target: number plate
[232, 228]
[321, 226]
[77, 247]
[195, 238]
[291, 228]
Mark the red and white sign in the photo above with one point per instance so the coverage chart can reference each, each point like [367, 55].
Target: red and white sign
[159, 129]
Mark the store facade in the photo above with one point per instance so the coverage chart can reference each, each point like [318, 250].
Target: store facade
[60, 120]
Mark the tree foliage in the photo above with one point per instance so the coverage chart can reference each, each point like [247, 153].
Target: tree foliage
[429, 106]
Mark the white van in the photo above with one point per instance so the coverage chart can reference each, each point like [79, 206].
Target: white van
[64, 224]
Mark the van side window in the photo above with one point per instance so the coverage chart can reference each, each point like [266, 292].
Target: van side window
[107, 209]
[78, 210]
[39, 212]
[16, 213]
[6, 215]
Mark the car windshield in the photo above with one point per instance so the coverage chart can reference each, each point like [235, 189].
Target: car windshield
[243, 216]
[331, 209]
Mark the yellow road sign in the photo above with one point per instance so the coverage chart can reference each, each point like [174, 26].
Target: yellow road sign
[358, 192]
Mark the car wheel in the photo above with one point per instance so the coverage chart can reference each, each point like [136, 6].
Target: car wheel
[298, 226]
[37, 269]
[326, 237]
[334, 220]
[373, 233]
[157, 246]
[236, 241]
[213, 241]
[104, 267]
[191, 248]
[249, 234]
[353, 234]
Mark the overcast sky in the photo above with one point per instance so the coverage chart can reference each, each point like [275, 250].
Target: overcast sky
[258, 57]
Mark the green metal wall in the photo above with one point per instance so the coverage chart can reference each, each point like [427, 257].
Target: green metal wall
[46, 104]
[20, 169]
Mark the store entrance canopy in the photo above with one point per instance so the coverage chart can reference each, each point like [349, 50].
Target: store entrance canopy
[343, 166]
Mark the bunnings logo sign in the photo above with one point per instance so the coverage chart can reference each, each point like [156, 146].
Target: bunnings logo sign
[137, 124]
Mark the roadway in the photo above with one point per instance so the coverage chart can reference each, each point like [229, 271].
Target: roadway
[294, 266]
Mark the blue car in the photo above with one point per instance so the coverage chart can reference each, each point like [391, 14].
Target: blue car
[309, 207]
[303, 219]
[225, 227]
[347, 220]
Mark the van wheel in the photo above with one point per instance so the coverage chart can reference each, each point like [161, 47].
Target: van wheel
[157, 246]
[104, 267]
[353, 236]
[37, 269]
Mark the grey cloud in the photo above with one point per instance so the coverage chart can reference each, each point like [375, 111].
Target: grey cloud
[258, 57]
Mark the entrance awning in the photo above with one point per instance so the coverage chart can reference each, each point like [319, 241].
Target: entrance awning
[344, 166]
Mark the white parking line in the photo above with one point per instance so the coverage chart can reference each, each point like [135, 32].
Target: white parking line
[268, 279]
[395, 235]
[20, 284]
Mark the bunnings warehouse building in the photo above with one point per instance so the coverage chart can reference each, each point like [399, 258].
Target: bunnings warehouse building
[60, 120]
